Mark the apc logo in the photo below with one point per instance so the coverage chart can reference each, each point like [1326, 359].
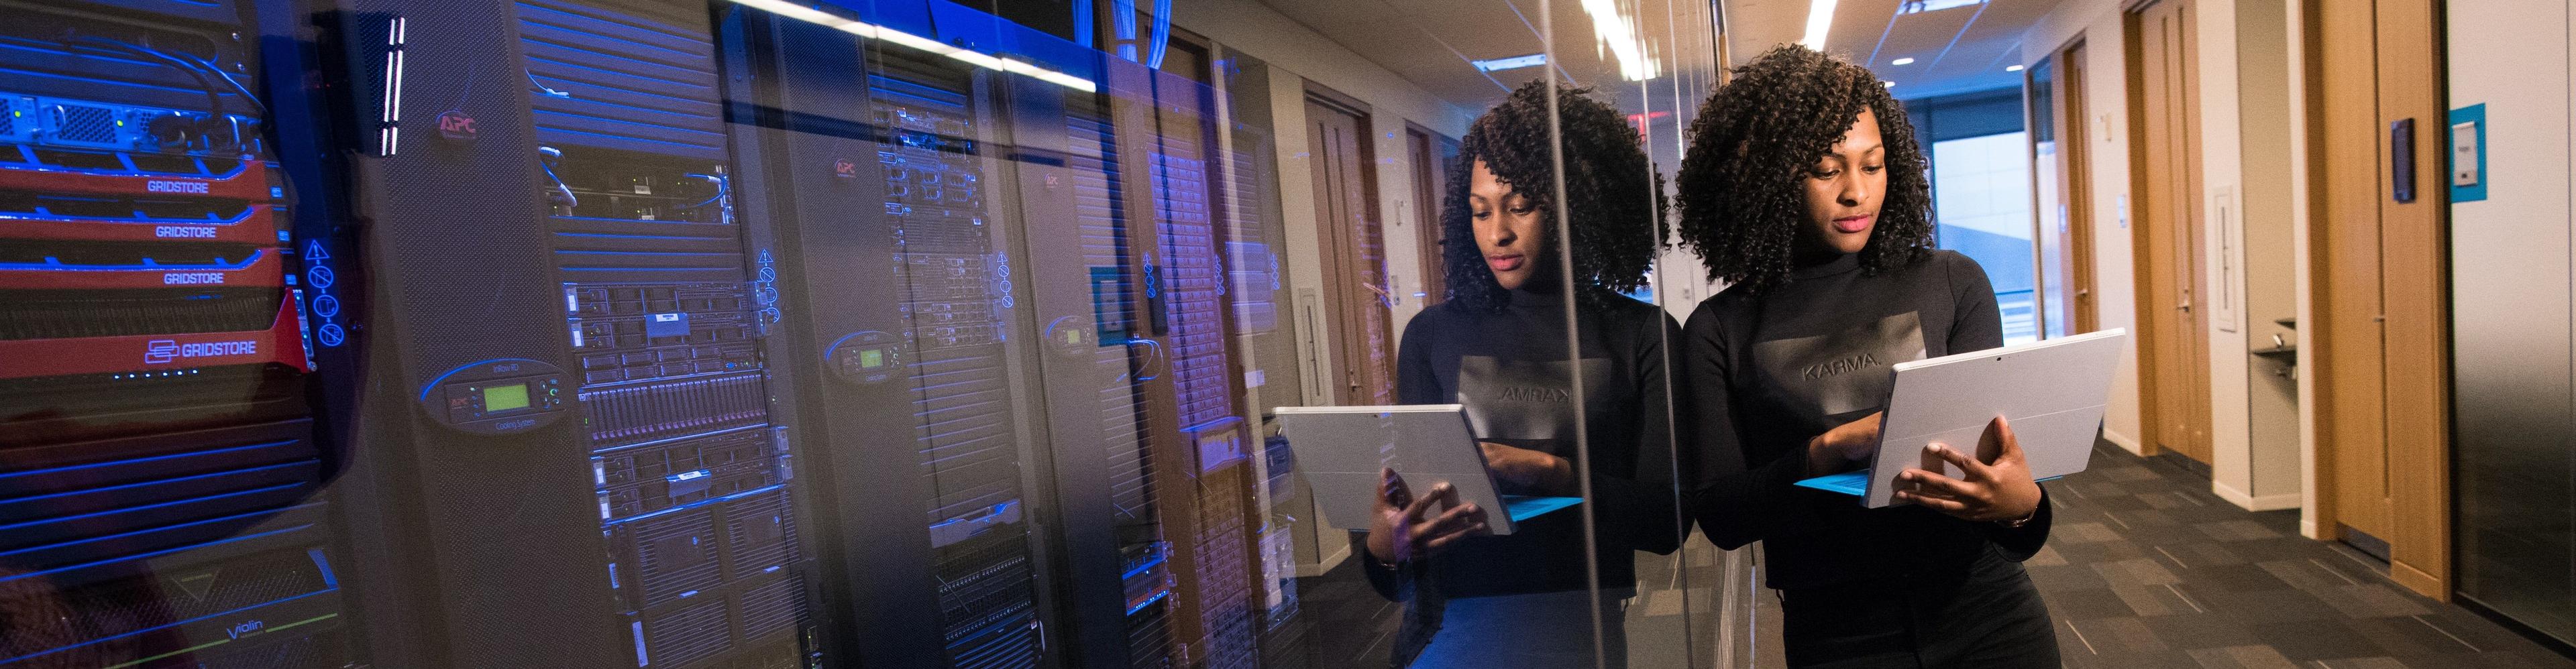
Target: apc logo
[456, 125]
[160, 352]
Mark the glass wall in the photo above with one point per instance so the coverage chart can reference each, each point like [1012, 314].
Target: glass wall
[904, 333]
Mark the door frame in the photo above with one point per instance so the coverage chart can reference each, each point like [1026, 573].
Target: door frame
[1430, 176]
[2075, 183]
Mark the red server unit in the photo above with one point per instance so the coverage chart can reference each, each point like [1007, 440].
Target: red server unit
[159, 472]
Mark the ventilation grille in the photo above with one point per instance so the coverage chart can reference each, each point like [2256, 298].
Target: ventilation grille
[84, 124]
[621, 81]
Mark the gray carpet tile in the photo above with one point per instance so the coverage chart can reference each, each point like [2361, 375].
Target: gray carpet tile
[2144, 568]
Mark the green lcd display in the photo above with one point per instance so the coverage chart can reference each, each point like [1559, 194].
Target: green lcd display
[505, 398]
[872, 358]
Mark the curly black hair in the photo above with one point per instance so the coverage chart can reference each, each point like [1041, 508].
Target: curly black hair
[1740, 192]
[1613, 195]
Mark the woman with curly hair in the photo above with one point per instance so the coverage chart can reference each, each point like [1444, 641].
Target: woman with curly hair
[1805, 189]
[1499, 347]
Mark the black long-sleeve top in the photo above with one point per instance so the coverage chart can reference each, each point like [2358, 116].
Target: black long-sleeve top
[1769, 372]
[1511, 371]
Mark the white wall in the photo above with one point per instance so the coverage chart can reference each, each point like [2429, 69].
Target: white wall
[2097, 22]
[2300, 254]
[2222, 180]
[2272, 279]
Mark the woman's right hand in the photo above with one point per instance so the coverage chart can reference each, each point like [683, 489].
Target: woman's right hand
[1398, 531]
[1837, 448]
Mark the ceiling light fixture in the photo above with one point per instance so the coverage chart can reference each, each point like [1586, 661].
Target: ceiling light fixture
[1512, 63]
[1820, 19]
[2012, 68]
[1616, 32]
[1921, 6]
[1889, 84]
[976, 58]
[1901, 61]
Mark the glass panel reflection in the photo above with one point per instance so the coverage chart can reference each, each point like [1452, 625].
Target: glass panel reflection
[755, 334]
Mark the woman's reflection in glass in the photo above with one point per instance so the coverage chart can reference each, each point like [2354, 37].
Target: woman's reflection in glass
[1499, 347]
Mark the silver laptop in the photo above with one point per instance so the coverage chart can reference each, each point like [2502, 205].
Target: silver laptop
[2053, 393]
[1341, 449]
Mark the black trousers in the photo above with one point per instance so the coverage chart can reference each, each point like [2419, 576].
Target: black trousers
[1987, 616]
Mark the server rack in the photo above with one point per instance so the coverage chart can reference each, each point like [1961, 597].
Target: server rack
[666, 315]
[917, 365]
[1204, 451]
[1100, 376]
[1140, 511]
[159, 470]
[1128, 172]
[580, 320]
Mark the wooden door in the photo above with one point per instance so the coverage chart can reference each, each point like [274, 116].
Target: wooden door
[2415, 293]
[2350, 336]
[2173, 356]
[2382, 290]
[2075, 188]
[1354, 253]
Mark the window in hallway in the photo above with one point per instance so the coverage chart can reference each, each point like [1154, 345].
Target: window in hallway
[1981, 198]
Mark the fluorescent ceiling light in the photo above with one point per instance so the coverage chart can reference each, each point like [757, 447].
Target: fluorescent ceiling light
[1616, 32]
[1920, 6]
[1901, 61]
[970, 57]
[1889, 84]
[2012, 68]
[1512, 63]
[1820, 19]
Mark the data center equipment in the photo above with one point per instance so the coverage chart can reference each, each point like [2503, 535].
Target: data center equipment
[915, 353]
[1144, 349]
[585, 322]
[1063, 556]
[160, 476]
[618, 334]
[691, 475]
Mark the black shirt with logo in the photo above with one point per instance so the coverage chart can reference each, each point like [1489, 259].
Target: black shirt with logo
[1769, 372]
[1512, 371]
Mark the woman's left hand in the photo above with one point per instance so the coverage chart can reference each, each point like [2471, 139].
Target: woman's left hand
[1525, 471]
[1996, 485]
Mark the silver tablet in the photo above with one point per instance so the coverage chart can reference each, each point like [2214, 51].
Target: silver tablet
[2053, 392]
[1341, 449]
